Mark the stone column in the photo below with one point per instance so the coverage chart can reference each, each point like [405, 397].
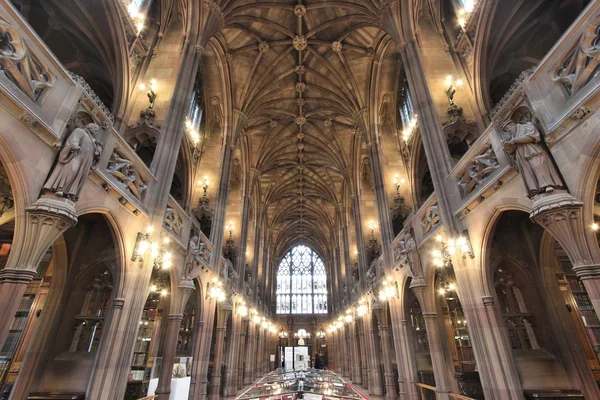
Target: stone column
[259, 347]
[562, 216]
[434, 140]
[346, 358]
[163, 390]
[199, 381]
[47, 219]
[441, 363]
[241, 355]
[360, 242]
[363, 353]
[407, 368]
[241, 267]
[355, 345]
[374, 375]
[390, 385]
[198, 334]
[215, 381]
[232, 357]
[265, 354]
[250, 351]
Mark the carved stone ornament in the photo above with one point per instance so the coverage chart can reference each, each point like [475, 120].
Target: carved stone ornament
[580, 113]
[127, 174]
[263, 47]
[431, 218]
[198, 252]
[533, 160]
[336, 46]
[20, 66]
[300, 10]
[478, 169]
[300, 42]
[75, 161]
[173, 221]
[301, 119]
[300, 87]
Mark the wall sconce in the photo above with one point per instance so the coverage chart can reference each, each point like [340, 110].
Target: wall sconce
[362, 308]
[242, 309]
[451, 86]
[443, 256]
[282, 334]
[150, 91]
[595, 227]
[142, 244]
[372, 226]
[230, 230]
[162, 258]
[204, 199]
[407, 132]
[388, 289]
[215, 290]
[256, 319]
[339, 324]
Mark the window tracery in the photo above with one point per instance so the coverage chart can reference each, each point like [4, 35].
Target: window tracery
[301, 283]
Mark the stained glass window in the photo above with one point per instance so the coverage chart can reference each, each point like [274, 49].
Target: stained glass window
[301, 283]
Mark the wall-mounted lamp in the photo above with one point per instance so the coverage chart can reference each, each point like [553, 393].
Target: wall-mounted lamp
[150, 91]
[595, 227]
[162, 257]
[321, 334]
[230, 230]
[282, 334]
[443, 256]
[362, 307]
[242, 309]
[215, 290]
[372, 226]
[204, 199]
[388, 289]
[142, 244]
[451, 86]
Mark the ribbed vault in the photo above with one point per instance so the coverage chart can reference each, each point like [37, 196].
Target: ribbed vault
[301, 76]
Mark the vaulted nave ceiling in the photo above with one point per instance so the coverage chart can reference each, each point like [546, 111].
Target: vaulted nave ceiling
[304, 78]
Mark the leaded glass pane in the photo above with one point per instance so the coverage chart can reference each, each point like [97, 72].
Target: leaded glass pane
[301, 283]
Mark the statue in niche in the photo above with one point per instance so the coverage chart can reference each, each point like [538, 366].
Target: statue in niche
[533, 161]
[75, 162]
[197, 251]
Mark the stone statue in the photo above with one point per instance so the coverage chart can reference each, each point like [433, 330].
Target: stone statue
[409, 250]
[534, 163]
[191, 258]
[75, 161]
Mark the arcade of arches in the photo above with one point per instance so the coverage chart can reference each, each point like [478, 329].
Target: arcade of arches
[190, 190]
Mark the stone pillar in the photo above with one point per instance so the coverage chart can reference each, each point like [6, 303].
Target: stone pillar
[215, 381]
[259, 352]
[241, 354]
[199, 381]
[198, 334]
[363, 353]
[232, 357]
[47, 219]
[241, 267]
[250, 351]
[346, 359]
[264, 357]
[163, 390]
[374, 372]
[388, 374]
[407, 368]
[562, 216]
[355, 345]
[360, 242]
[441, 363]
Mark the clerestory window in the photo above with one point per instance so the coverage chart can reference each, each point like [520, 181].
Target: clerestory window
[301, 283]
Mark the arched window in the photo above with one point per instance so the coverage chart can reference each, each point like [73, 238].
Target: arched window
[301, 283]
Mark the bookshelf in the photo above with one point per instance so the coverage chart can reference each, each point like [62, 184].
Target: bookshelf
[140, 371]
[16, 331]
[462, 338]
[582, 300]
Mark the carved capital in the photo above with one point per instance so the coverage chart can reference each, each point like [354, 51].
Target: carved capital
[16, 276]
[118, 303]
[561, 215]
[47, 219]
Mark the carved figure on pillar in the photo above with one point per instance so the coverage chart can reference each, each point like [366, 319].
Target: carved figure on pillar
[533, 161]
[75, 162]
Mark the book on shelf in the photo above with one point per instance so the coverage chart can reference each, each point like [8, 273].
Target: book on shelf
[139, 359]
[137, 375]
[575, 284]
[583, 301]
[26, 302]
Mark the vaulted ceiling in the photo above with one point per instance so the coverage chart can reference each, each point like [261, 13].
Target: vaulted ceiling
[302, 75]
